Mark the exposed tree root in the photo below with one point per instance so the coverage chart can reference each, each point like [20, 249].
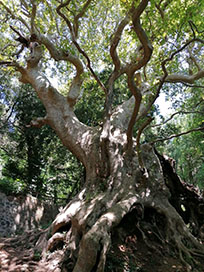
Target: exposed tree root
[85, 227]
[91, 250]
[177, 233]
[83, 233]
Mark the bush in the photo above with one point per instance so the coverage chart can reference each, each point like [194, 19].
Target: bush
[9, 186]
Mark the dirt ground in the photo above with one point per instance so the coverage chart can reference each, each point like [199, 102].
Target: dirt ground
[135, 256]
[129, 255]
[17, 254]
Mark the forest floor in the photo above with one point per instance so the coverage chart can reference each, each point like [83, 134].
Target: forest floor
[129, 255]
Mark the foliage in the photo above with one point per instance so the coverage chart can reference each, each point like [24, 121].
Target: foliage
[33, 160]
[11, 186]
[187, 150]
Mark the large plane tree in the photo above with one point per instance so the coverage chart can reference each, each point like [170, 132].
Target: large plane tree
[146, 46]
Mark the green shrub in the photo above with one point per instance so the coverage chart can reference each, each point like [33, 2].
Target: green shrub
[9, 186]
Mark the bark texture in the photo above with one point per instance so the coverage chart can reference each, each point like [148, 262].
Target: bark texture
[87, 224]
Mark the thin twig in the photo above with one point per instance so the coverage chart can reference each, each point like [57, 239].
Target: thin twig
[176, 113]
[177, 135]
[14, 16]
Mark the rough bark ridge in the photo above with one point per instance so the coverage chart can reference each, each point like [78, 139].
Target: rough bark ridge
[122, 175]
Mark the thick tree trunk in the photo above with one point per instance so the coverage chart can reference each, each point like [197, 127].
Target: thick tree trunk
[122, 180]
[86, 224]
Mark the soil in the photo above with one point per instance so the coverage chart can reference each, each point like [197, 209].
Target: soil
[135, 256]
[129, 254]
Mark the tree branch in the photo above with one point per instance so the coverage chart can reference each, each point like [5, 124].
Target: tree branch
[175, 53]
[160, 10]
[146, 44]
[147, 108]
[177, 135]
[147, 47]
[78, 16]
[77, 45]
[192, 86]
[58, 55]
[14, 16]
[176, 113]
[193, 59]
[185, 78]
[39, 122]
[138, 98]
[33, 15]
[12, 64]
[114, 75]
[115, 41]
[192, 26]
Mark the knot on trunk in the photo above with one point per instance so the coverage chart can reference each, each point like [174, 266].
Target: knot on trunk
[35, 55]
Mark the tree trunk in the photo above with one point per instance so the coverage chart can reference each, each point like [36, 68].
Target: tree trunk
[85, 226]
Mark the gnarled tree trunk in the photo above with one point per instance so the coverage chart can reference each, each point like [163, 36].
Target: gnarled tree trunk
[86, 225]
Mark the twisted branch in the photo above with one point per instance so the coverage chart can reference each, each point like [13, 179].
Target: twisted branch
[115, 41]
[77, 45]
[147, 47]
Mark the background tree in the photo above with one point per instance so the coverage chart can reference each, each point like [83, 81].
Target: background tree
[70, 43]
[33, 160]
